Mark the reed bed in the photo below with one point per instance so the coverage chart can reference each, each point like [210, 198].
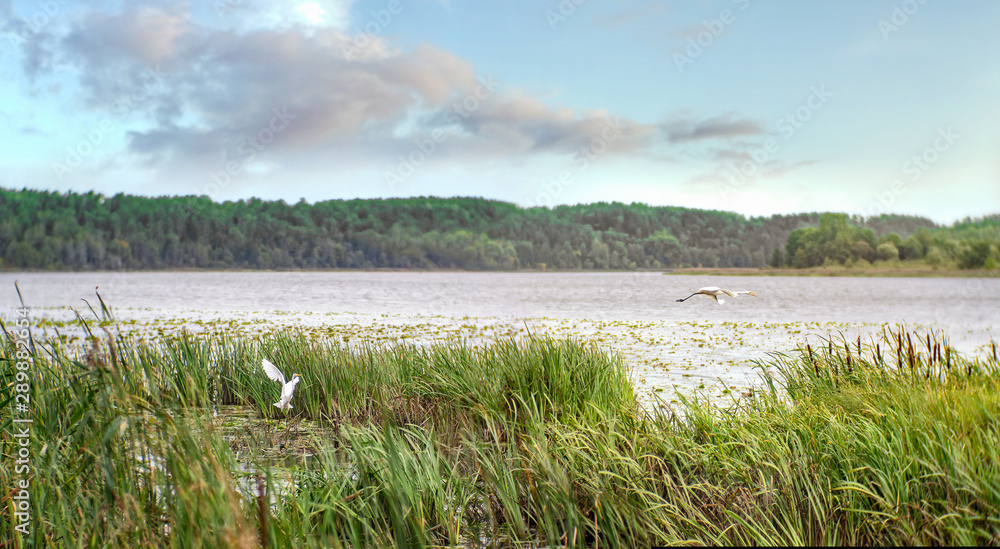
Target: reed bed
[532, 442]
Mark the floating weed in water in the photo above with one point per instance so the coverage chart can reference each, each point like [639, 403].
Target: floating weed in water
[533, 440]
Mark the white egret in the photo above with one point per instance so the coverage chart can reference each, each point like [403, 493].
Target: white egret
[714, 292]
[287, 388]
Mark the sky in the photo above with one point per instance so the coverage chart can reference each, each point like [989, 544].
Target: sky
[858, 106]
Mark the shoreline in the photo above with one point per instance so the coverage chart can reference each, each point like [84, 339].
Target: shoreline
[881, 272]
[888, 272]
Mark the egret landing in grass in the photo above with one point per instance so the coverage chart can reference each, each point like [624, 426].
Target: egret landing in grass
[287, 388]
[714, 292]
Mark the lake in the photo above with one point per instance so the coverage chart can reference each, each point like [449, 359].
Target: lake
[696, 345]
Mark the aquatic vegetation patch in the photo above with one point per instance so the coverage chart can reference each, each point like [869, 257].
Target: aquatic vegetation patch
[535, 441]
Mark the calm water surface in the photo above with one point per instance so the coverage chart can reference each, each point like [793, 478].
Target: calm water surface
[634, 314]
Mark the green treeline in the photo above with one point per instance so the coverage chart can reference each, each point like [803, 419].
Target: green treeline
[969, 244]
[73, 231]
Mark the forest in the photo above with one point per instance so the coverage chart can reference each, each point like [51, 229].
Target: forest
[968, 244]
[51, 230]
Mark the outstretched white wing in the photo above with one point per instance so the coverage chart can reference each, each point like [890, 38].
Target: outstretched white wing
[273, 372]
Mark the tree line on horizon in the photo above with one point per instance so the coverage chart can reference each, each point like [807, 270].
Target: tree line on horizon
[967, 244]
[84, 231]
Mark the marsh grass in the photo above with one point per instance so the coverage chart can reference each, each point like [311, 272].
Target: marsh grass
[532, 442]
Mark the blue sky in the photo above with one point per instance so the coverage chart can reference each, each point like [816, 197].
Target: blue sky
[742, 105]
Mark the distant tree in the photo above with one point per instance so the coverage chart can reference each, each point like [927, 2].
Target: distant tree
[887, 251]
[974, 255]
[912, 248]
[74, 231]
[863, 250]
[934, 256]
[893, 238]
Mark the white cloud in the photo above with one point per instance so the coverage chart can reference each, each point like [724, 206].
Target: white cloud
[270, 15]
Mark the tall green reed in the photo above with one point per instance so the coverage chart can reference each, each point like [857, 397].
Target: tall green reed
[886, 441]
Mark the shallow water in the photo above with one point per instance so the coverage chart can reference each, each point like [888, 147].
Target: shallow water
[694, 346]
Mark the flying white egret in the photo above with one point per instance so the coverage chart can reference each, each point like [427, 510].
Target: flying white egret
[287, 389]
[714, 292]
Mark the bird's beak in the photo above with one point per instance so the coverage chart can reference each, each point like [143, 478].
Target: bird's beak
[753, 294]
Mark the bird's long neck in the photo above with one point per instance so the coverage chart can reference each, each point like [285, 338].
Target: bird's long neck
[688, 297]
